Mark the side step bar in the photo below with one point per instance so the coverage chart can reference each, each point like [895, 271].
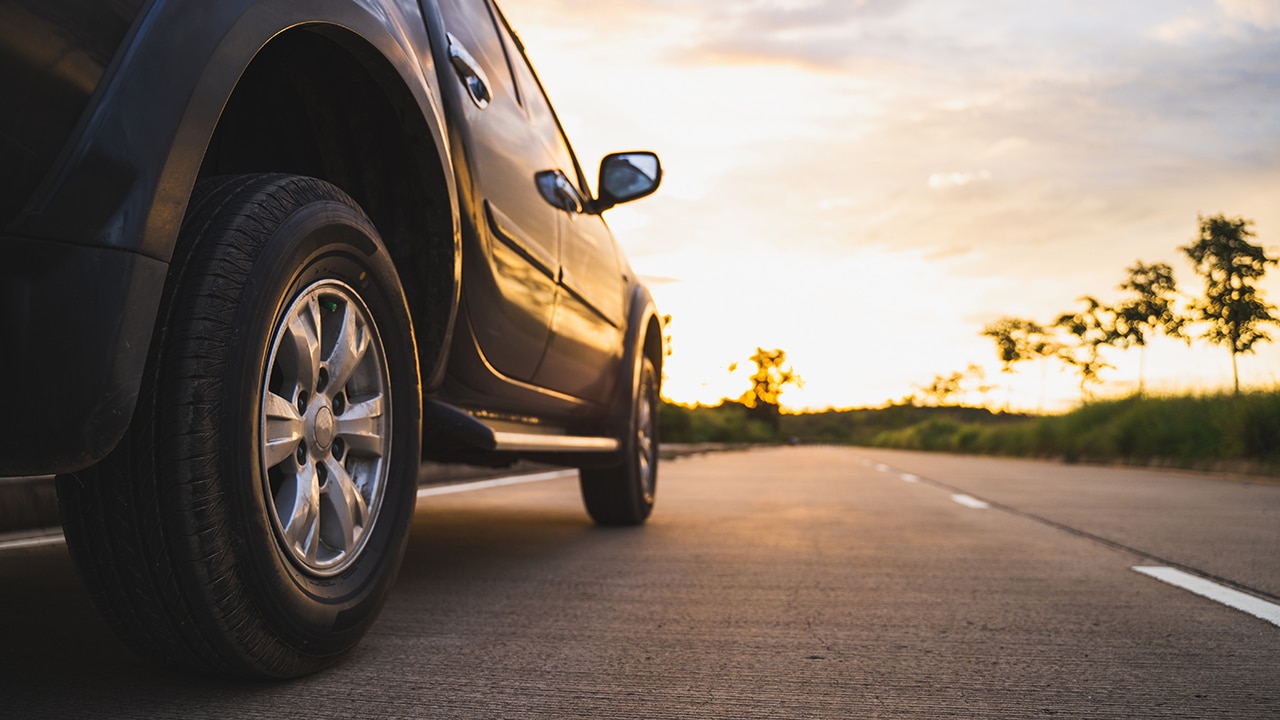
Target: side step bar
[463, 427]
[533, 442]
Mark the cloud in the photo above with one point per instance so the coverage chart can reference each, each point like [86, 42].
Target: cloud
[941, 181]
[1263, 14]
[1180, 30]
[817, 33]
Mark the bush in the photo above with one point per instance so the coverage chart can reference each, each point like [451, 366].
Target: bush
[1185, 431]
[728, 422]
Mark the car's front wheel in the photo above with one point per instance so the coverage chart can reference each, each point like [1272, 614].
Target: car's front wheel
[254, 518]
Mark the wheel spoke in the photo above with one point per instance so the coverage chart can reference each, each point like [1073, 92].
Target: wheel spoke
[644, 428]
[326, 428]
[348, 350]
[361, 427]
[344, 511]
[282, 431]
[303, 333]
[298, 507]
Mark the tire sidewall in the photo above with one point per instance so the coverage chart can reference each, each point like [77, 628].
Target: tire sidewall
[320, 240]
[646, 388]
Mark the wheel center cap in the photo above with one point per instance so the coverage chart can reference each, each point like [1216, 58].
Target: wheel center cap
[324, 428]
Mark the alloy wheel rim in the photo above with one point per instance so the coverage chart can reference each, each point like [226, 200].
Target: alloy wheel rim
[645, 445]
[325, 428]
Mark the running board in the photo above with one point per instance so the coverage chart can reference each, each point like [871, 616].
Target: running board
[461, 426]
[534, 442]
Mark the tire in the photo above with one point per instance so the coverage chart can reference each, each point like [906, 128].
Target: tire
[623, 494]
[254, 517]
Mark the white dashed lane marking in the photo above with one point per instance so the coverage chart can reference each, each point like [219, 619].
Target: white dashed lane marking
[1243, 602]
[1235, 599]
[969, 502]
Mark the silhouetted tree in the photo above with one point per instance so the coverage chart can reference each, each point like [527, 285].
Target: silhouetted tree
[767, 384]
[1232, 306]
[1149, 308]
[945, 387]
[1089, 331]
[665, 320]
[976, 381]
[1016, 340]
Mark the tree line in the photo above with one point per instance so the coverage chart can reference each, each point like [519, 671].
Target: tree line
[1231, 311]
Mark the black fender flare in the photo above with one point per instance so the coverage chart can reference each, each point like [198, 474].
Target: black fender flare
[151, 120]
[121, 185]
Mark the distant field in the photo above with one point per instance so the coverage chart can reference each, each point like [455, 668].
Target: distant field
[1200, 432]
[1218, 432]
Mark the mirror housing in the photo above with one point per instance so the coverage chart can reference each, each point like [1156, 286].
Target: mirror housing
[627, 176]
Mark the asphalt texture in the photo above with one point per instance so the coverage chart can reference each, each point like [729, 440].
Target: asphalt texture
[782, 583]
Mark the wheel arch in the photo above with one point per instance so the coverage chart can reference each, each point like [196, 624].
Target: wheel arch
[319, 100]
[644, 340]
[117, 193]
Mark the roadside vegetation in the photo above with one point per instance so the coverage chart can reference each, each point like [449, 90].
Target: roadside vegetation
[1235, 430]
[1231, 312]
[1207, 432]
[1225, 432]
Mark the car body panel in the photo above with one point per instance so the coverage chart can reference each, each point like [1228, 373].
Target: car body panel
[541, 305]
[511, 284]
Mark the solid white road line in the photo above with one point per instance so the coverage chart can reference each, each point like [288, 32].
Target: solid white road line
[496, 482]
[31, 542]
[1243, 602]
[45, 540]
[909, 477]
[969, 502]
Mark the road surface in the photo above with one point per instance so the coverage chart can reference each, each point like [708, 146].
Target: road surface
[781, 583]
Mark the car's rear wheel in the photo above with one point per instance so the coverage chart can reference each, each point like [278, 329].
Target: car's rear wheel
[623, 494]
[253, 519]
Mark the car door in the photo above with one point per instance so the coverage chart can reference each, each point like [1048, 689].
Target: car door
[511, 264]
[587, 329]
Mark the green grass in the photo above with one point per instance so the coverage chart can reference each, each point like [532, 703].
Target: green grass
[1190, 431]
[729, 422]
[1183, 431]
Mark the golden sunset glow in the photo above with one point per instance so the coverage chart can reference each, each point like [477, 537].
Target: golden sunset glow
[867, 184]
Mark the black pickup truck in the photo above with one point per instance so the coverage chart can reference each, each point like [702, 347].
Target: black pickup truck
[258, 259]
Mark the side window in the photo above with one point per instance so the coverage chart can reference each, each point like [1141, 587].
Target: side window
[540, 112]
[471, 23]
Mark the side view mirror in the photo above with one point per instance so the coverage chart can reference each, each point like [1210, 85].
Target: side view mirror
[627, 176]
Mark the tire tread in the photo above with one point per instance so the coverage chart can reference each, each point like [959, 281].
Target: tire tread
[155, 555]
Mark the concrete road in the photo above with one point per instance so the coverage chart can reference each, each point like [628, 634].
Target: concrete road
[784, 583]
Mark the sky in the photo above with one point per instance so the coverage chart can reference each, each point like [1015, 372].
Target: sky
[866, 184]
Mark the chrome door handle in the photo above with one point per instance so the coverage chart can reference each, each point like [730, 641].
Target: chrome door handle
[476, 82]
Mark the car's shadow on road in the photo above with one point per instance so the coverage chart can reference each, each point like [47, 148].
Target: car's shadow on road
[56, 645]
[464, 542]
